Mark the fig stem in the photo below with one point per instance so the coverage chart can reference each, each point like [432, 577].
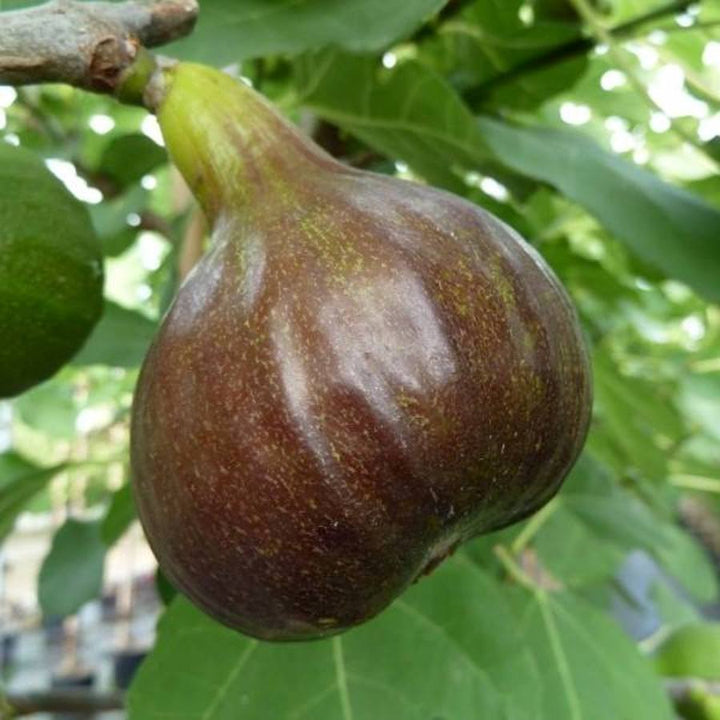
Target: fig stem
[513, 568]
[90, 45]
[533, 526]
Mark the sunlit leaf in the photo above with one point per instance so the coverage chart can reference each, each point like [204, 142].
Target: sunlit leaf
[428, 667]
[452, 647]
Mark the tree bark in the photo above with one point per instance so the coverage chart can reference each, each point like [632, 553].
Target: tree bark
[86, 44]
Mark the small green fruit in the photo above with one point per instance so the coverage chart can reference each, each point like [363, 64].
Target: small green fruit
[693, 650]
[50, 273]
[361, 374]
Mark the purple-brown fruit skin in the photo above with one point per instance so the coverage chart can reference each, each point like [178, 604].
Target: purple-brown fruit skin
[361, 374]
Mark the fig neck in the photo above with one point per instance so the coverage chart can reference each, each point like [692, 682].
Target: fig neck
[231, 146]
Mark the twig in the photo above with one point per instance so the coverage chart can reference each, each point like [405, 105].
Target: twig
[573, 49]
[448, 12]
[603, 35]
[79, 702]
[534, 525]
[87, 45]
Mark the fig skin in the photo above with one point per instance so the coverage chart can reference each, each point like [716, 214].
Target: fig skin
[361, 374]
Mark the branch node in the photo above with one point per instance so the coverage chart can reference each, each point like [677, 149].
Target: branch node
[90, 45]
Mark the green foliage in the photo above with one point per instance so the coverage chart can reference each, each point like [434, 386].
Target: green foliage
[228, 31]
[120, 339]
[73, 569]
[411, 114]
[50, 409]
[582, 654]
[127, 158]
[119, 516]
[482, 49]
[477, 97]
[20, 481]
[670, 228]
[494, 651]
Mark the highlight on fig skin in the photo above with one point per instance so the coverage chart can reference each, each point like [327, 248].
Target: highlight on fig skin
[361, 374]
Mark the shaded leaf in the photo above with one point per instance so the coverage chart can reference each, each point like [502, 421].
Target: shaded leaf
[666, 226]
[165, 589]
[572, 552]
[582, 655]
[708, 188]
[20, 481]
[682, 557]
[120, 339]
[611, 512]
[110, 220]
[127, 158]
[636, 417]
[119, 516]
[410, 114]
[594, 525]
[230, 30]
[487, 41]
[72, 572]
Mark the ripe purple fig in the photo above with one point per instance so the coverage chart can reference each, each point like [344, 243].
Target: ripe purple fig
[361, 374]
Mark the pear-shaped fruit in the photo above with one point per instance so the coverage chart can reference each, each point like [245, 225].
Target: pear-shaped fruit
[361, 374]
[50, 272]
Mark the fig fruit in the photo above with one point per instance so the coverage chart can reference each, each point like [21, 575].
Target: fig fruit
[51, 277]
[360, 374]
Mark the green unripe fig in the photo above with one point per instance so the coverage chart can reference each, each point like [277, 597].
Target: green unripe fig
[698, 703]
[50, 273]
[361, 374]
[692, 650]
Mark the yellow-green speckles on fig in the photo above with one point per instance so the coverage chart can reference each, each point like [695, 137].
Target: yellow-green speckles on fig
[360, 375]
